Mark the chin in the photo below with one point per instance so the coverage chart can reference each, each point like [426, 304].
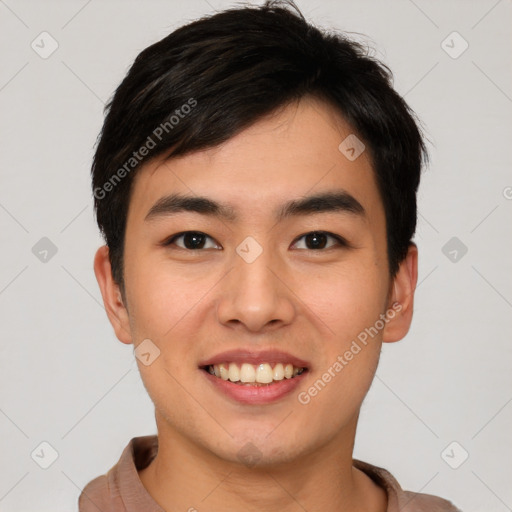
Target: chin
[259, 449]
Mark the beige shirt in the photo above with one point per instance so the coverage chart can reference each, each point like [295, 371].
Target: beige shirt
[121, 489]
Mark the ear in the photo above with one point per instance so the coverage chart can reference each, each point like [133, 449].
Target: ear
[401, 300]
[112, 299]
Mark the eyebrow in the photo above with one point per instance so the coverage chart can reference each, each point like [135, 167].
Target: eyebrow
[333, 201]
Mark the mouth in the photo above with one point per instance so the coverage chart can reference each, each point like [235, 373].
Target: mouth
[262, 374]
[255, 378]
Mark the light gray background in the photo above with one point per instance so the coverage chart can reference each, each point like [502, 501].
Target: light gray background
[66, 380]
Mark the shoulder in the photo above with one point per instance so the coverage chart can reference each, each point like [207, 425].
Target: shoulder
[121, 486]
[99, 494]
[400, 500]
[418, 502]
[104, 493]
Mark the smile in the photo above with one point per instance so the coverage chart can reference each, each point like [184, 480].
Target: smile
[246, 373]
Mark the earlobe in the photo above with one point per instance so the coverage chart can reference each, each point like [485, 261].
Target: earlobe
[112, 299]
[401, 302]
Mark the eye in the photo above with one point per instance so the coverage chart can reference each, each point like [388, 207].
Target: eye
[196, 240]
[318, 240]
[191, 240]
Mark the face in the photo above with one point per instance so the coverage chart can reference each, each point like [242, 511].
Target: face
[265, 276]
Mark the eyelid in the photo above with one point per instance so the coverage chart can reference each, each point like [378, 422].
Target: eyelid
[171, 239]
[341, 242]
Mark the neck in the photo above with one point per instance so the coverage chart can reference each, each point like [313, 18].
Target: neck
[186, 476]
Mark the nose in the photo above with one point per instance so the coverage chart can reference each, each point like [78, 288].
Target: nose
[256, 295]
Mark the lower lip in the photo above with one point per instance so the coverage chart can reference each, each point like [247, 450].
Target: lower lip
[255, 394]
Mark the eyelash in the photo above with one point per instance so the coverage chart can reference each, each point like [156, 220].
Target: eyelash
[340, 241]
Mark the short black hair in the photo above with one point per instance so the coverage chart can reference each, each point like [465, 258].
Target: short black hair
[210, 79]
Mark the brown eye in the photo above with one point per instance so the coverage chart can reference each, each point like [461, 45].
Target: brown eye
[319, 240]
[192, 240]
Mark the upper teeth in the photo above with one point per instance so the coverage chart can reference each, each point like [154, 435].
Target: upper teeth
[262, 373]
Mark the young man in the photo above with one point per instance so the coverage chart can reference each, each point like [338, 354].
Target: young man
[255, 182]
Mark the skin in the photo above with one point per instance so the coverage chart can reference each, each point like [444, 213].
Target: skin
[310, 302]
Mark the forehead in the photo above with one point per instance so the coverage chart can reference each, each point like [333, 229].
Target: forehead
[301, 149]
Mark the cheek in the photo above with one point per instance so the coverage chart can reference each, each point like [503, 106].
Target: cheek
[165, 308]
[348, 300]
[158, 297]
[349, 304]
